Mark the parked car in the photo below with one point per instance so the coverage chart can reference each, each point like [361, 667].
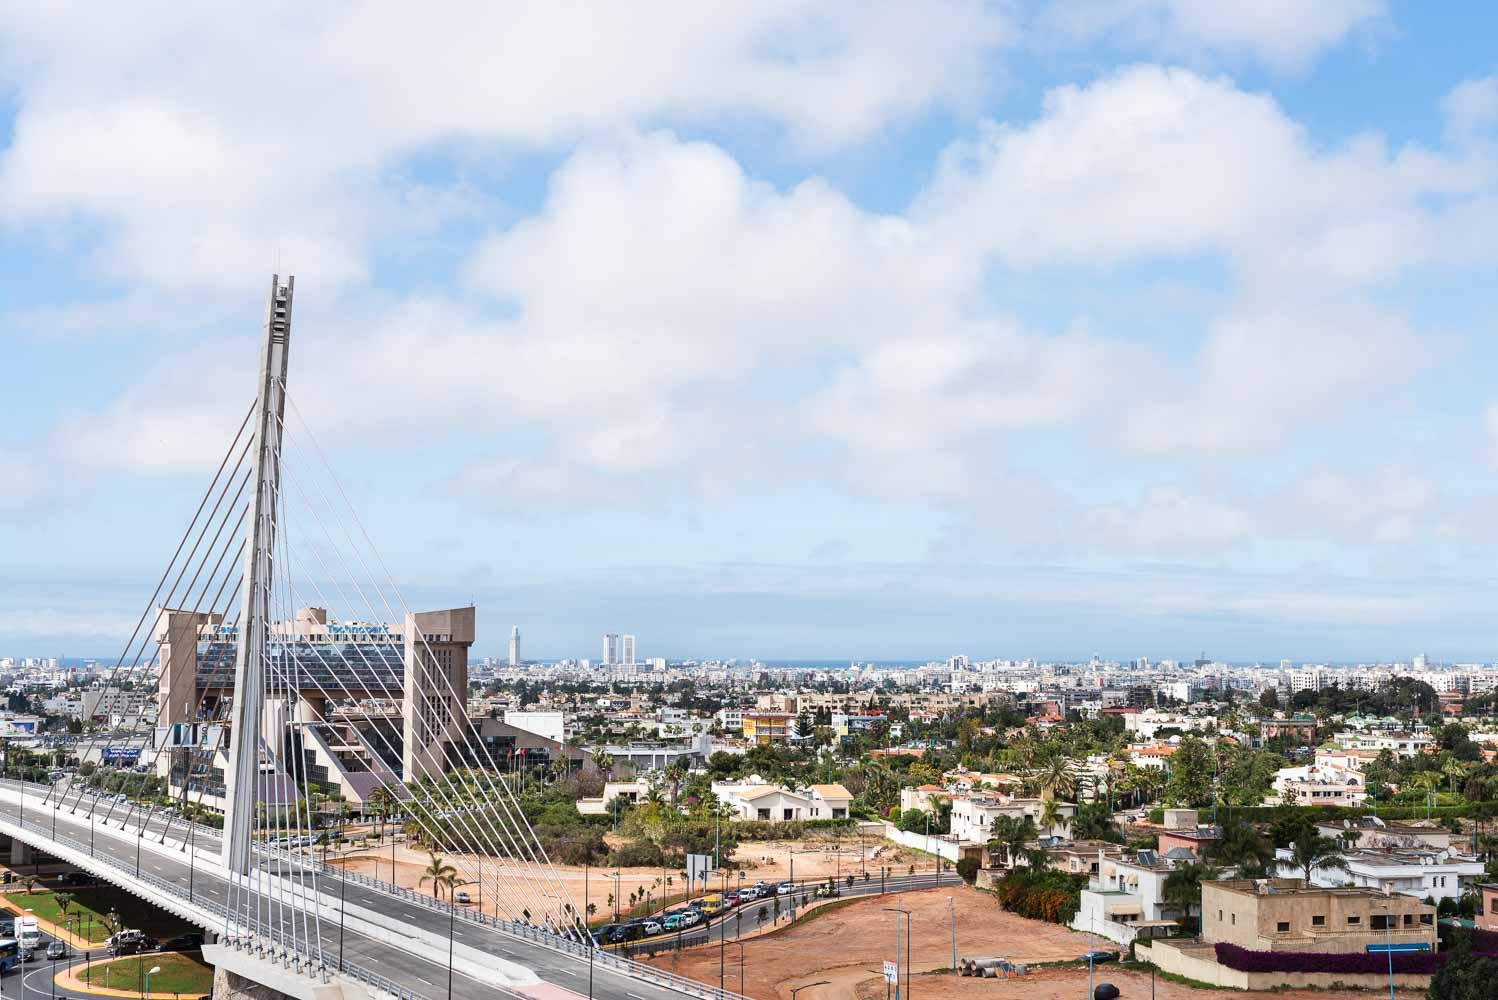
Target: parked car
[1098, 956]
[75, 878]
[183, 942]
[56, 949]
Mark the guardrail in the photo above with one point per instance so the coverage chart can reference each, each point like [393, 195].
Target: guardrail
[306, 962]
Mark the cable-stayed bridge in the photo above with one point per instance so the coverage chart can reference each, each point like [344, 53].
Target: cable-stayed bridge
[268, 709]
[259, 694]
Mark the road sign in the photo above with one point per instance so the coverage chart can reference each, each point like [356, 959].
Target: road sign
[699, 866]
[892, 972]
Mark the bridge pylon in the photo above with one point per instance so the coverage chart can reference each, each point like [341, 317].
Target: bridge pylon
[242, 777]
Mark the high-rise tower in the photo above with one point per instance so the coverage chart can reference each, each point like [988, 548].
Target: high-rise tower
[515, 646]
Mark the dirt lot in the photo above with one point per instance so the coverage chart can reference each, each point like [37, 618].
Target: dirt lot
[768, 860]
[848, 945]
[1071, 984]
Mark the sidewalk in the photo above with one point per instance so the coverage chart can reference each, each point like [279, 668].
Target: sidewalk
[46, 926]
[68, 981]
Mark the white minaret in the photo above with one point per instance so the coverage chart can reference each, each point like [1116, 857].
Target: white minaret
[515, 646]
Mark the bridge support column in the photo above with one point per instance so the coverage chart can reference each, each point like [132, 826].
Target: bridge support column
[21, 853]
[231, 986]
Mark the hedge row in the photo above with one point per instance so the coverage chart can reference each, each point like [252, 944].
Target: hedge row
[1416, 963]
[1264, 814]
[789, 829]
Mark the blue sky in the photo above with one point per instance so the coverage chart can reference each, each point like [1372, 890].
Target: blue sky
[1138, 327]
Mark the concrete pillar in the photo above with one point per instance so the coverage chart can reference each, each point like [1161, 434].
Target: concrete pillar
[20, 853]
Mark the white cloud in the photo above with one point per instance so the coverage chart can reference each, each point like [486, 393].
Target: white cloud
[1168, 519]
[1154, 162]
[205, 154]
[1283, 34]
[1264, 372]
[1471, 108]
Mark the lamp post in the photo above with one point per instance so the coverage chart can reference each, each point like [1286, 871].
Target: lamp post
[452, 929]
[741, 966]
[897, 909]
[1389, 943]
[149, 973]
[342, 899]
[798, 989]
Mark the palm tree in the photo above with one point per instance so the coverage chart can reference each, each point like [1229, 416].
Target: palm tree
[604, 761]
[1058, 778]
[380, 801]
[1012, 833]
[1050, 815]
[674, 774]
[1183, 887]
[1313, 851]
[438, 872]
[1241, 846]
[1453, 769]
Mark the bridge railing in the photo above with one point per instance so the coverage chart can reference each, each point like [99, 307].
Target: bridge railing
[266, 930]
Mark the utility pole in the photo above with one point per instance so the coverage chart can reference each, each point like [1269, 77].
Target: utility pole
[254, 627]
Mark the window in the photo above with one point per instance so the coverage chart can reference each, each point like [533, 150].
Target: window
[1409, 920]
[1353, 921]
[1219, 914]
[1235, 920]
[1318, 920]
[1283, 926]
[1378, 922]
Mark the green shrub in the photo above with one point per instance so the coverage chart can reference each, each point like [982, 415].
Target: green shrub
[968, 869]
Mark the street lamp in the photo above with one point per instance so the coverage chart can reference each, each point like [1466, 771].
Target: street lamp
[798, 989]
[149, 973]
[741, 966]
[452, 929]
[896, 909]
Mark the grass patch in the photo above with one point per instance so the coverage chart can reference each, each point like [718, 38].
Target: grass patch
[180, 973]
[87, 913]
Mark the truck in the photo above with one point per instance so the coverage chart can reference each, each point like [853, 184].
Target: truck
[28, 934]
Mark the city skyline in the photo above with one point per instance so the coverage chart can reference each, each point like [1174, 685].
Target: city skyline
[1032, 328]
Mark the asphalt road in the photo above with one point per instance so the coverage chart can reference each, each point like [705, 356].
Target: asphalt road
[418, 974]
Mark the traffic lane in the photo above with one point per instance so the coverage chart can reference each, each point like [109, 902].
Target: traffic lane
[419, 974]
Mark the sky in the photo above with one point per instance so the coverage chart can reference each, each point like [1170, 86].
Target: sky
[842, 330]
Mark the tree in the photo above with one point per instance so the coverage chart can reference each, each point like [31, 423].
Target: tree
[439, 873]
[1241, 846]
[604, 761]
[1011, 833]
[913, 821]
[1270, 699]
[1183, 888]
[1313, 851]
[1058, 778]
[1190, 774]
[380, 802]
[1465, 976]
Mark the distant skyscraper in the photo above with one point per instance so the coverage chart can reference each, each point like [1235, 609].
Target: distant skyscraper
[515, 646]
[627, 650]
[610, 648]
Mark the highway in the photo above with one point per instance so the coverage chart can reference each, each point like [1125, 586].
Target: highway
[420, 976]
[116, 853]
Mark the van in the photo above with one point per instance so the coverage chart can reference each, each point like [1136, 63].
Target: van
[712, 905]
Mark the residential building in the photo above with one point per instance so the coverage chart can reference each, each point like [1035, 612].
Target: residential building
[757, 799]
[973, 816]
[1427, 873]
[768, 727]
[1286, 915]
[1127, 895]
